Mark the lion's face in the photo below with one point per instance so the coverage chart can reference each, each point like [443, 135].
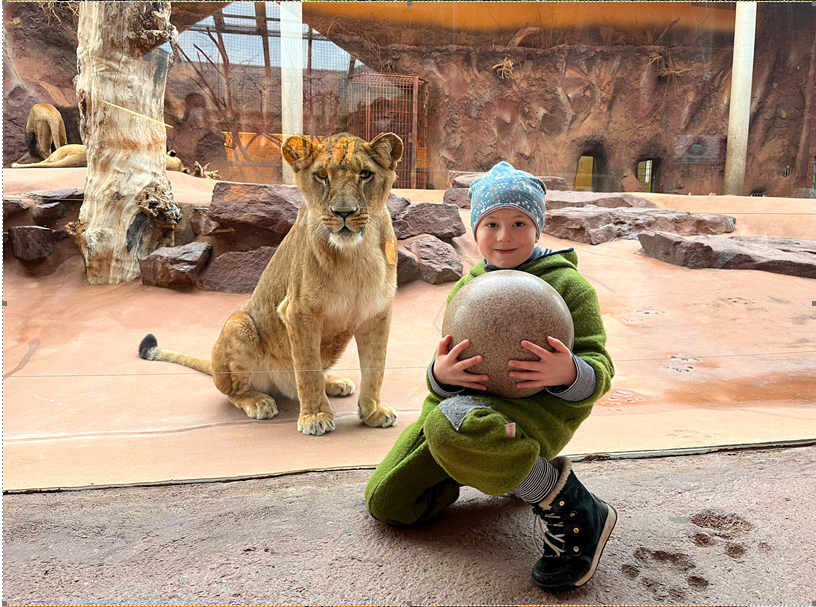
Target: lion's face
[347, 177]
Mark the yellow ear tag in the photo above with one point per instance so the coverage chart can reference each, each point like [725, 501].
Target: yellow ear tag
[391, 252]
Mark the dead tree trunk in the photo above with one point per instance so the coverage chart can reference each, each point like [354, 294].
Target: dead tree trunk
[128, 207]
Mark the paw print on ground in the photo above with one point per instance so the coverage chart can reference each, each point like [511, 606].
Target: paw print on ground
[681, 363]
[624, 396]
[668, 575]
[725, 527]
[640, 316]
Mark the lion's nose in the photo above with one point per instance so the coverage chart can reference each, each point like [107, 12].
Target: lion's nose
[343, 214]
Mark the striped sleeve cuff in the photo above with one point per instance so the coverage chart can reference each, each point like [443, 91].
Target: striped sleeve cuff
[582, 388]
[437, 389]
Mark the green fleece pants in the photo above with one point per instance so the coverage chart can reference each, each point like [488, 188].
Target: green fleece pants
[432, 458]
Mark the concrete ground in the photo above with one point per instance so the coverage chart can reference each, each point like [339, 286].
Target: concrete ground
[729, 528]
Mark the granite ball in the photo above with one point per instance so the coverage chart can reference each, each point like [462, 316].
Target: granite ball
[496, 312]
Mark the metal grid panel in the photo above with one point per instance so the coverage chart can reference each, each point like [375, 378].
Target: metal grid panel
[382, 103]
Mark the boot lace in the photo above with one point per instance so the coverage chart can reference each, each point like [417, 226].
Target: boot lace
[547, 523]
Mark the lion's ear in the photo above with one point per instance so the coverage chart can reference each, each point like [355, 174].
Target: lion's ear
[387, 149]
[298, 152]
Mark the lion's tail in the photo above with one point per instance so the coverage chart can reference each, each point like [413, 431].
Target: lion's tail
[149, 350]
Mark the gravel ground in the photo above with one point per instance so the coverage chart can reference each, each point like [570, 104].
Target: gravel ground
[732, 528]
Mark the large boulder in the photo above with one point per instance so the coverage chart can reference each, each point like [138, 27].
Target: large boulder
[201, 223]
[175, 267]
[396, 205]
[561, 200]
[13, 206]
[31, 243]
[407, 266]
[43, 211]
[794, 257]
[73, 195]
[269, 207]
[595, 225]
[457, 196]
[236, 271]
[440, 220]
[464, 179]
[438, 261]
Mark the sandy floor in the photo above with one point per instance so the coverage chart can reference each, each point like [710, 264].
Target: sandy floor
[703, 357]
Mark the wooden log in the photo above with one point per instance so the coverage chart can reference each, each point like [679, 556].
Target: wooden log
[129, 209]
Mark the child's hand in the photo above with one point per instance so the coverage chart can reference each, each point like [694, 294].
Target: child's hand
[449, 371]
[552, 369]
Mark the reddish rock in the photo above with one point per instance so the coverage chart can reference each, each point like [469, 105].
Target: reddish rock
[438, 261]
[396, 205]
[630, 183]
[793, 257]
[174, 267]
[50, 210]
[440, 220]
[200, 221]
[13, 206]
[561, 200]
[464, 179]
[61, 195]
[228, 191]
[596, 225]
[31, 242]
[457, 196]
[278, 217]
[237, 272]
[407, 266]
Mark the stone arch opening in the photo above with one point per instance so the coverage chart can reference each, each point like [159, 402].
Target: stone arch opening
[592, 172]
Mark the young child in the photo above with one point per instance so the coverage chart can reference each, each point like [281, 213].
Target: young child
[465, 436]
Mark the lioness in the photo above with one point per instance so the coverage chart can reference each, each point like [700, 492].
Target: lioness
[44, 128]
[333, 277]
[73, 155]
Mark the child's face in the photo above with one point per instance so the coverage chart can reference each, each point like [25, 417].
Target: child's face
[506, 237]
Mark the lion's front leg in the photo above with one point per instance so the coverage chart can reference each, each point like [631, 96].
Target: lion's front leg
[372, 343]
[316, 416]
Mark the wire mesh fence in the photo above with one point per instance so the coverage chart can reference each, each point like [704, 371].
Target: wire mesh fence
[395, 103]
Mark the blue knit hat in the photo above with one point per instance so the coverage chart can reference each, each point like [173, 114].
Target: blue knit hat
[504, 186]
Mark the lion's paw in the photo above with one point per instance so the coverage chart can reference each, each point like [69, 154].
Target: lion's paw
[339, 386]
[262, 407]
[382, 417]
[316, 424]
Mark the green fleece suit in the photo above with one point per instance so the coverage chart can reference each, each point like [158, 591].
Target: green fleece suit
[431, 459]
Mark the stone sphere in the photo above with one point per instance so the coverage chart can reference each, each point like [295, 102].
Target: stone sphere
[496, 312]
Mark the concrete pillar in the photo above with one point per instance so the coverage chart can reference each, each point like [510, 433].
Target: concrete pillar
[739, 113]
[291, 25]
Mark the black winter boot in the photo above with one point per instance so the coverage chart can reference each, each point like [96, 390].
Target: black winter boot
[576, 526]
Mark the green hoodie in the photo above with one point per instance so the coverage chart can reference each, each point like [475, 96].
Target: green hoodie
[411, 485]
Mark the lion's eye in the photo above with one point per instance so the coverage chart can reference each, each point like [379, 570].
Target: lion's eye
[365, 174]
[322, 175]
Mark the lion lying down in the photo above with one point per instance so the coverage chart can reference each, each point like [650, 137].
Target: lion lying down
[73, 155]
[332, 278]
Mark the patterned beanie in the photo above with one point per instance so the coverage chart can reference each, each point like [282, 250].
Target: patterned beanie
[504, 186]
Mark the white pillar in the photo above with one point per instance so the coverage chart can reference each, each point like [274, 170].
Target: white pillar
[739, 114]
[291, 25]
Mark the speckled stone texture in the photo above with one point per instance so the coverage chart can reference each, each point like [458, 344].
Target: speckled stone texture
[496, 312]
